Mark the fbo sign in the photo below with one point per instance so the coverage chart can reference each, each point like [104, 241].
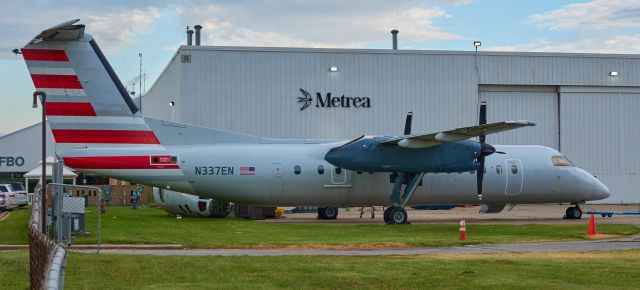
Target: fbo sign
[10, 161]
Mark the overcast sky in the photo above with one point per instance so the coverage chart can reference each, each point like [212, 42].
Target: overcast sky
[156, 28]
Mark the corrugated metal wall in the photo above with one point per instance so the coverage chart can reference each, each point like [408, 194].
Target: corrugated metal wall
[168, 88]
[601, 133]
[256, 92]
[533, 103]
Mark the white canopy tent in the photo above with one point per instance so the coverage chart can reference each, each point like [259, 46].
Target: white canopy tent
[36, 173]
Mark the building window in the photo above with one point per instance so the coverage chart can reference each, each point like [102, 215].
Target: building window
[297, 169]
[499, 169]
[320, 169]
[338, 170]
[359, 172]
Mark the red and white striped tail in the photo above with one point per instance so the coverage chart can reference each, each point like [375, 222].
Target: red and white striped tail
[86, 102]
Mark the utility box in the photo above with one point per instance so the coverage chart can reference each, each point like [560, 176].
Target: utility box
[73, 217]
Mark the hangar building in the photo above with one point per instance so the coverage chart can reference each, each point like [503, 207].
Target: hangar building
[585, 105]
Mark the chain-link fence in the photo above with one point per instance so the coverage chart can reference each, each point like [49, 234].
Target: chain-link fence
[41, 251]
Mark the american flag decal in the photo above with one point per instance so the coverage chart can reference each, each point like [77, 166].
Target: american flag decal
[246, 170]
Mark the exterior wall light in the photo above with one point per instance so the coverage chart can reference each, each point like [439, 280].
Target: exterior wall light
[333, 69]
[172, 103]
[613, 73]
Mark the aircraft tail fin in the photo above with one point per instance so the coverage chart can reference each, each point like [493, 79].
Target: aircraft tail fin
[86, 104]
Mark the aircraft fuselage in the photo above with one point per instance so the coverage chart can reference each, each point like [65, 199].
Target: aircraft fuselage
[298, 174]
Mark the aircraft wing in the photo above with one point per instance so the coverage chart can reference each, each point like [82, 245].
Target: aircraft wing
[435, 139]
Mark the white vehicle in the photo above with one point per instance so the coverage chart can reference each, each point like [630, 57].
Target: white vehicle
[8, 200]
[21, 193]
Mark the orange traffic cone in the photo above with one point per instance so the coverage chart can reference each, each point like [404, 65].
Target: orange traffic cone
[463, 231]
[592, 226]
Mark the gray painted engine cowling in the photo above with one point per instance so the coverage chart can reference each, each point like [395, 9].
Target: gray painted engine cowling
[178, 203]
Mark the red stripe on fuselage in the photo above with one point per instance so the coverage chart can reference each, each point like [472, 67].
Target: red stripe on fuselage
[56, 81]
[104, 136]
[115, 162]
[44, 54]
[70, 109]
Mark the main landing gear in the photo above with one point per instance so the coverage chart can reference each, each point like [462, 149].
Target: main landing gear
[396, 214]
[573, 213]
[327, 213]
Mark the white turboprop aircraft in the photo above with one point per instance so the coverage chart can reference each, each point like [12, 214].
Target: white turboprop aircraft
[98, 129]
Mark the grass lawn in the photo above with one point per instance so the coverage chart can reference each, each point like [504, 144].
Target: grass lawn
[122, 225]
[13, 230]
[564, 270]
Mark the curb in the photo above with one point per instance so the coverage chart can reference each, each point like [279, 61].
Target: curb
[126, 247]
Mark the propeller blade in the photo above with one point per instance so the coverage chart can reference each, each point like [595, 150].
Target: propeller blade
[482, 118]
[500, 152]
[407, 123]
[480, 176]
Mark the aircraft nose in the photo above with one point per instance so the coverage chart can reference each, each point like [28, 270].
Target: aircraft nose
[600, 190]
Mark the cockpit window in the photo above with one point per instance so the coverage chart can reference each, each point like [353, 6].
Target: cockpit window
[561, 161]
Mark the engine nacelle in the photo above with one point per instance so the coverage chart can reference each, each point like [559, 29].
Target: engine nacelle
[371, 155]
[178, 203]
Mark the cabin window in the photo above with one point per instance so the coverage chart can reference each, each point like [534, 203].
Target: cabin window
[514, 169]
[359, 172]
[561, 161]
[499, 169]
[297, 169]
[320, 169]
[338, 170]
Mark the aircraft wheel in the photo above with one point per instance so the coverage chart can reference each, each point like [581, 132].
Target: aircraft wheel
[386, 215]
[609, 214]
[397, 216]
[574, 212]
[328, 213]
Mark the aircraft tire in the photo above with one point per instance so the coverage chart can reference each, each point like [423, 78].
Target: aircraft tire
[397, 216]
[577, 213]
[386, 215]
[574, 213]
[328, 213]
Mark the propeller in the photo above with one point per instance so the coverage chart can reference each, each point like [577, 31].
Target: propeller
[407, 123]
[485, 149]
